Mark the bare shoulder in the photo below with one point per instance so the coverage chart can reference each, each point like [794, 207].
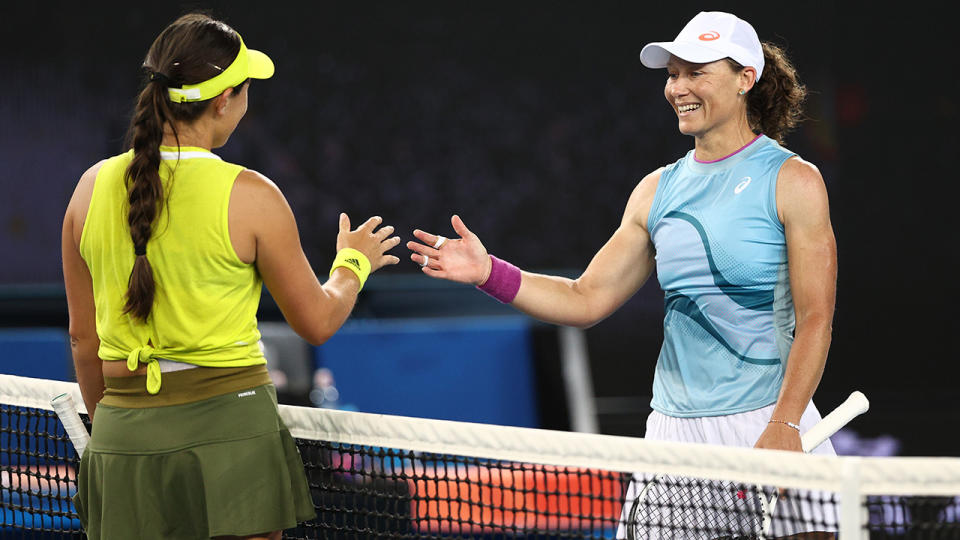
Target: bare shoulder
[253, 191]
[641, 199]
[88, 179]
[255, 183]
[800, 188]
[256, 201]
[76, 213]
[648, 185]
[257, 208]
[798, 172]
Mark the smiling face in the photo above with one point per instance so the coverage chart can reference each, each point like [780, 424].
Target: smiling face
[706, 96]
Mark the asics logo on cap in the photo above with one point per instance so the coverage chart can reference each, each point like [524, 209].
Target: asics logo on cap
[708, 37]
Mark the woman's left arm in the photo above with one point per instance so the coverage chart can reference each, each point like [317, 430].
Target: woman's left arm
[804, 209]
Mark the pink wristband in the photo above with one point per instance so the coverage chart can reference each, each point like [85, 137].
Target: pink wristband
[504, 281]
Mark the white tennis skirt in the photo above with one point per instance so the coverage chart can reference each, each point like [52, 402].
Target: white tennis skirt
[743, 430]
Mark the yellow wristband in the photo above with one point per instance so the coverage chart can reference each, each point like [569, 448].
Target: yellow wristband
[355, 261]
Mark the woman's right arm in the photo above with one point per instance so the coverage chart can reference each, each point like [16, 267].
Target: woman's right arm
[616, 272]
[264, 231]
[78, 283]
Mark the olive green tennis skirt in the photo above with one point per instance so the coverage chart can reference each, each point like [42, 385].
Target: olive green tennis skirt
[225, 465]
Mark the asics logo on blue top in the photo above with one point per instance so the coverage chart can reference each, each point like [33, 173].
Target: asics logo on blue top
[743, 184]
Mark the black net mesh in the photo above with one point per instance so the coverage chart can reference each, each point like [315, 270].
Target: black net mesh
[365, 491]
[371, 492]
[37, 476]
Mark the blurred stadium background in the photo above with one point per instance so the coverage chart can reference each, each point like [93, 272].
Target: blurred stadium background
[533, 121]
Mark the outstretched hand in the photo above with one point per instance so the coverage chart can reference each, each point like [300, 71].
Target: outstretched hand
[463, 259]
[367, 239]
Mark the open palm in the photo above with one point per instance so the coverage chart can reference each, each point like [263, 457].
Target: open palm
[463, 259]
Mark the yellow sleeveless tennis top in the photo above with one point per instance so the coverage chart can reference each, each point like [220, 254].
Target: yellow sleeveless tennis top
[204, 310]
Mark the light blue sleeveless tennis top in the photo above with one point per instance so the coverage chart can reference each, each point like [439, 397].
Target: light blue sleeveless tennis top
[722, 264]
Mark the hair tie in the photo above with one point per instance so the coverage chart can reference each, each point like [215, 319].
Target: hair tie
[157, 76]
[139, 250]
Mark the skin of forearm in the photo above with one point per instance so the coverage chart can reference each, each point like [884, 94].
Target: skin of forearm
[805, 366]
[339, 297]
[89, 372]
[555, 300]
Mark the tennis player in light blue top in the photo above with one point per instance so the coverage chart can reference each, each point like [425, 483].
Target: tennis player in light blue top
[739, 233]
[722, 262]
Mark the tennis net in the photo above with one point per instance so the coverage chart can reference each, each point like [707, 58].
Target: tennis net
[376, 476]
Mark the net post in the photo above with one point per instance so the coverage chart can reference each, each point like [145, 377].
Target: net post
[575, 362]
[852, 507]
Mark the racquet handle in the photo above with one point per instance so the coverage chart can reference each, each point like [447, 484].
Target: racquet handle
[854, 406]
[66, 410]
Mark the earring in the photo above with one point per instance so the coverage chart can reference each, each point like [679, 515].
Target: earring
[742, 92]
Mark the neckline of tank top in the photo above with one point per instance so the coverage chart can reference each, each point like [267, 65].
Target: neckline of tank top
[185, 152]
[735, 152]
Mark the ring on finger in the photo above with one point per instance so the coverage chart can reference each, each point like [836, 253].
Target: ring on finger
[426, 260]
[441, 240]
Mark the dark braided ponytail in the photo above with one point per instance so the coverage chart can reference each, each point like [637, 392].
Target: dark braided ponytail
[144, 194]
[189, 51]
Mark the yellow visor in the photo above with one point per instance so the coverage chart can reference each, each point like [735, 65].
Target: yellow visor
[248, 64]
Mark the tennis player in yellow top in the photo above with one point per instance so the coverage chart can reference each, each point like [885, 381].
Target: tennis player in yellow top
[165, 250]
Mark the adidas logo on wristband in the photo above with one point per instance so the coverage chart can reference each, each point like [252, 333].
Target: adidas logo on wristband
[352, 260]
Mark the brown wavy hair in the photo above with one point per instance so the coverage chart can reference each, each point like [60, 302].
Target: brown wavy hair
[192, 49]
[775, 104]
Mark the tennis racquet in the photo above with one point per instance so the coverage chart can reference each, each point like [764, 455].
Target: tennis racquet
[666, 505]
[66, 411]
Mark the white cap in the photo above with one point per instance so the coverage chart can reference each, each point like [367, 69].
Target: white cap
[710, 36]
